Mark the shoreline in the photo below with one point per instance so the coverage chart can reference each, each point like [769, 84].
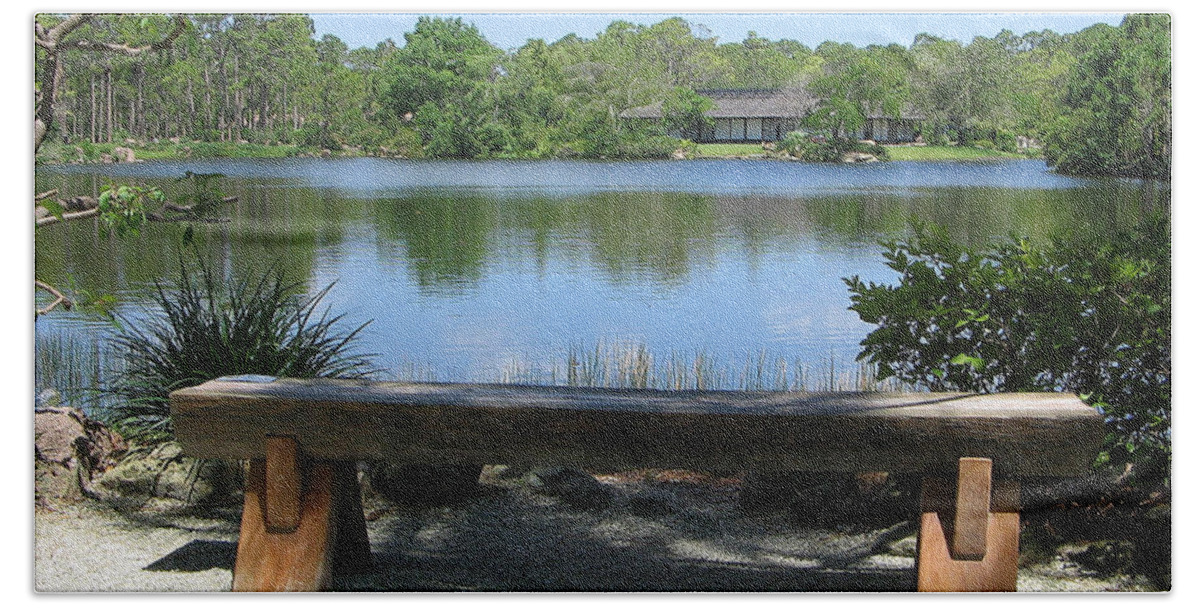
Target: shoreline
[172, 152]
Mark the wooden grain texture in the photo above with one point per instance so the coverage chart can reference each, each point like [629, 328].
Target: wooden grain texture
[937, 570]
[1037, 434]
[972, 504]
[300, 560]
[283, 484]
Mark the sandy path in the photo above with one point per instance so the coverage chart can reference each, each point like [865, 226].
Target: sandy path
[652, 537]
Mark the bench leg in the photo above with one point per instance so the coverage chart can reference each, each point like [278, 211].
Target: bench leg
[300, 522]
[968, 538]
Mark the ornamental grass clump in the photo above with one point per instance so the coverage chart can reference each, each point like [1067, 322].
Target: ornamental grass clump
[203, 328]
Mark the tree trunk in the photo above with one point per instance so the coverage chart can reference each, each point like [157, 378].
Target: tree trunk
[95, 115]
[108, 121]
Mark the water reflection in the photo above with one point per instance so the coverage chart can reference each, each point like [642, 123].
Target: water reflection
[468, 266]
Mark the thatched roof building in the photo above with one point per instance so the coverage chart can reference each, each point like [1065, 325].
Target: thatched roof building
[762, 115]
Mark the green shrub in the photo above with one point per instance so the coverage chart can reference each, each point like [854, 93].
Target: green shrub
[803, 146]
[203, 329]
[201, 191]
[1006, 141]
[1090, 315]
[938, 139]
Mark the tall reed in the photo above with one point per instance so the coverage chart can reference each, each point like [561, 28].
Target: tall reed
[75, 368]
[634, 365]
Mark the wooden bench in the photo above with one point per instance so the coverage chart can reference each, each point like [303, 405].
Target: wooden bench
[303, 516]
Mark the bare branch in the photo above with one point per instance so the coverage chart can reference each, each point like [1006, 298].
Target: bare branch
[45, 195]
[124, 49]
[50, 219]
[67, 26]
[59, 298]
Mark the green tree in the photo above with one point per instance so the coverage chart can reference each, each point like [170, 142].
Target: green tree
[856, 84]
[1116, 116]
[685, 112]
[442, 59]
[964, 91]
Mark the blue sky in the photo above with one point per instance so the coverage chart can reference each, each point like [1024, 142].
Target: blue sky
[511, 30]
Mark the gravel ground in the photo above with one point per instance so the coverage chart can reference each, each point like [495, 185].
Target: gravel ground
[651, 536]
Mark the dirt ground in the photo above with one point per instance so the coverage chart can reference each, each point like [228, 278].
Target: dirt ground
[649, 532]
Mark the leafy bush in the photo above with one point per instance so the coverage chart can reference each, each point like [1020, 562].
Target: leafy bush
[801, 145]
[123, 207]
[200, 190]
[938, 139]
[1090, 316]
[1006, 141]
[203, 329]
[314, 136]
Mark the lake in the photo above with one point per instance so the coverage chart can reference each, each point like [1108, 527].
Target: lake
[501, 270]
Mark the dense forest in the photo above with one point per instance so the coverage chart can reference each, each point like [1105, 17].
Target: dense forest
[1099, 100]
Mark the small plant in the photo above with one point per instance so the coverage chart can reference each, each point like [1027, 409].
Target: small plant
[123, 208]
[203, 329]
[201, 191]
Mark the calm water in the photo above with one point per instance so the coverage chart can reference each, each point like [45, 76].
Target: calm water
[468, 267]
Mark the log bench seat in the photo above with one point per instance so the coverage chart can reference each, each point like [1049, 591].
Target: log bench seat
[303, 517]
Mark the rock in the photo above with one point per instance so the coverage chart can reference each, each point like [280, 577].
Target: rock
[174, 140]
[124, 155]
[70, 450]
[425, 484]
[46, 399]
[678, 154]
[858, 157]
[574, 487]
[80, 203]
[325, 153]
[106, 159]
[164, 472]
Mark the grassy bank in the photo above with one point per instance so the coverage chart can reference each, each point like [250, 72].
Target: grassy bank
[93, 153]
[913, 153]
[53, 152]
[946, 153]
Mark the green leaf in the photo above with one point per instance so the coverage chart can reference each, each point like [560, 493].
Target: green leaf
[54, 208]
[964, 359]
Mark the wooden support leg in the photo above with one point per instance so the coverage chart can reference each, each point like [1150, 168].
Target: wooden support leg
[300, 521]
[352, 551]
[978, 551]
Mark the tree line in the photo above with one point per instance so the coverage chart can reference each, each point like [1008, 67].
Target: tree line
[1098, 99]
